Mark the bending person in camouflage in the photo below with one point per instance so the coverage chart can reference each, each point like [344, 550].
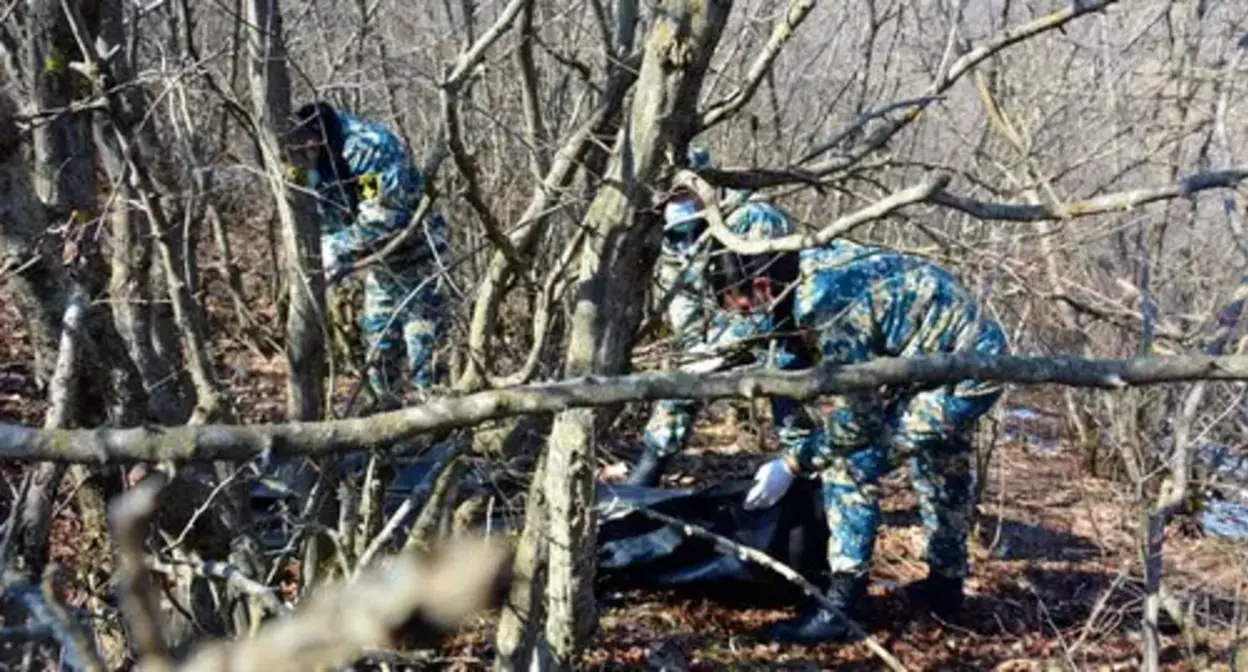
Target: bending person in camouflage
[369, 187]
[855, 303]
[693, 315]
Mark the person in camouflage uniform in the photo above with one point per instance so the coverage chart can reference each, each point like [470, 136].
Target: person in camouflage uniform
[693, 315]
[369, 187]
[855, 303]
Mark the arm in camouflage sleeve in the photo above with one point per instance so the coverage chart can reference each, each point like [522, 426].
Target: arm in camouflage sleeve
[686, 311]
[798, 431]
[389, 187]
[855, 418]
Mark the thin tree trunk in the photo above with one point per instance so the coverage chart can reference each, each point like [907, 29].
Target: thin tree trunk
[615, 267]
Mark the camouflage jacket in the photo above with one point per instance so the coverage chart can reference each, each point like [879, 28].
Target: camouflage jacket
[388, 186]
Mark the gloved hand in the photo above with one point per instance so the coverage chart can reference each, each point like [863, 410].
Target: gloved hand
[334, 273]
[332, 262]
[771, 481]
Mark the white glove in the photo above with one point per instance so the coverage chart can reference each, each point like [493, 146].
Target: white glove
[771, 481]
[708, 365]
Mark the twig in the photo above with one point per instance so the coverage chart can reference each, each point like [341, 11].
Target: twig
[758, 557]
[189, 443]
[226, 572]
[412, 598]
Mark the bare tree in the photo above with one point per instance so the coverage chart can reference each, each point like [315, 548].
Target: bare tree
[961, 131]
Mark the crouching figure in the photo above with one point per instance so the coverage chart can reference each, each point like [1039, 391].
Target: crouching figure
[853, 303]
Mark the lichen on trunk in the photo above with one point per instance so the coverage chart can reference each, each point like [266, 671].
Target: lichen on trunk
[615, 265]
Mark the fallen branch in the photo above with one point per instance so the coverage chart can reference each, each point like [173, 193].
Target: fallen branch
[193, 443]
[411, 600]
[758, 557]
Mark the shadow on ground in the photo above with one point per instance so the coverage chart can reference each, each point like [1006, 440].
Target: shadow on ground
[1014, 616]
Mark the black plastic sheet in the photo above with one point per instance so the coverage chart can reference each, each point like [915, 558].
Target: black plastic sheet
[636, 551]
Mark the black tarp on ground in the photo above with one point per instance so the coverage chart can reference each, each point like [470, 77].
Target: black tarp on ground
[638, 552]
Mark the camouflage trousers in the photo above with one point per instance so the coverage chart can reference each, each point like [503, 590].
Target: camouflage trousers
[671, 423]
[931, 432]
[402, 316]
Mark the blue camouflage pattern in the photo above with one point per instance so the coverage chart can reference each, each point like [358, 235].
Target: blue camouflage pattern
[862, 302]
[404, 304]
[695, 318]
[857, 303]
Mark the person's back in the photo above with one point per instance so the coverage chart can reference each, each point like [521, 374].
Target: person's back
[856, 303]
[864, 302]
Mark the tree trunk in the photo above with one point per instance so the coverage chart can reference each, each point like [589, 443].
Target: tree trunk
[301, 250]
[148, 335]
[619, 255]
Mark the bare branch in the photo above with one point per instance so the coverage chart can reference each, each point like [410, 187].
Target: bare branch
[780, 34]
[412, 598]
[1115, 202]
[535, 126]
[469, 60]
[467, 166]
[758, 557]
[799, 241]
[379, 432]
[885, 132]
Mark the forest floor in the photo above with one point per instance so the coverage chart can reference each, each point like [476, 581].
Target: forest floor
[1055, 584]
[1055, 580]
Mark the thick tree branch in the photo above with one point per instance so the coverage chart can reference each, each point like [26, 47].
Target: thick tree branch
[98, 71]
[1115, 202]
[379, 432]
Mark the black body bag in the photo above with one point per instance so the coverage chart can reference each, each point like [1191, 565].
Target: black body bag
[636, 551]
